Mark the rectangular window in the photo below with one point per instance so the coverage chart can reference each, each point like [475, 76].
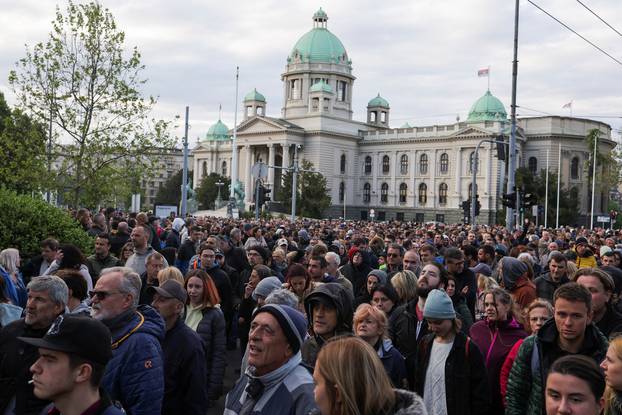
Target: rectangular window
[342, 89]
[440, 218]
[419, 217]
[382, 216]
[363, 215]
[399, 216]
[295, 89]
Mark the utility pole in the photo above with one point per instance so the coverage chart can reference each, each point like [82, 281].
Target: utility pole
[184, 180]
[509, 217]
[594, 161]
[234, 151]
[474, 177]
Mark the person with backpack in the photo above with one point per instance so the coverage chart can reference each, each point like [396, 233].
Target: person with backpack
[571, 331]
[450, 372]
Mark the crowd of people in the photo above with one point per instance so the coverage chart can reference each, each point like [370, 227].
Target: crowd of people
[327, 317]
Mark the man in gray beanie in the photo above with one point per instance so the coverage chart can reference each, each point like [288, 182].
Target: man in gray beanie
[264, 288]
[516, 280]
[275, 382]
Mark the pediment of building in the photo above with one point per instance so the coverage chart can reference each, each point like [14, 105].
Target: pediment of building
[471, 131]
[256, 125]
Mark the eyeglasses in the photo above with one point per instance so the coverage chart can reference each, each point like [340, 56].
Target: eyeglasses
[101, 295]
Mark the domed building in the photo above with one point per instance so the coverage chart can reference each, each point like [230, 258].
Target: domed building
[414, 172]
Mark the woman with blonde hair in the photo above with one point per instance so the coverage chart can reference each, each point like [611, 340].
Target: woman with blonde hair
[405, 283]
[170, 273]
[350, 380]
[14, 287]
[612, 366]
[372, 325]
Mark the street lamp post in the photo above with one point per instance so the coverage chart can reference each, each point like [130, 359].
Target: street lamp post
[218, 202]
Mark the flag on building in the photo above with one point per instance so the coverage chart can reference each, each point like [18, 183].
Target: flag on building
[568, 105]
[483, 72]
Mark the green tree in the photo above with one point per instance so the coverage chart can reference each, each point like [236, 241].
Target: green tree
[23, 157]
[208, 191]
[26, 221]
[170, 192]
[81, 78]
[607, 166]
[312, 197]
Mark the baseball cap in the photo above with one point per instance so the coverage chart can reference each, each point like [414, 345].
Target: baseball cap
[282, 242]
[218, 252]
[170, 289]
[81, 336]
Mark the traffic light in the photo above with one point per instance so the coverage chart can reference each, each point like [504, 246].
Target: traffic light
[501, 148]
[264, 195]
[509, 200]
[466, 208]
[529, 200]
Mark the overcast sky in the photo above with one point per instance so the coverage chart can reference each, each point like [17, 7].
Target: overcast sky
[421, 55]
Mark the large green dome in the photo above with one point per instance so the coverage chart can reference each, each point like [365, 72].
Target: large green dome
[378, 102]
[218, 131]
[487, 108]
[319, 44]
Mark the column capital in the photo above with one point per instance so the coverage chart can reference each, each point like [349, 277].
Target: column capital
[270, 145]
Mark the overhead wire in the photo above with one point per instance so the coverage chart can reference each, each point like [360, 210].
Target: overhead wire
[599, 18]
[576, 33]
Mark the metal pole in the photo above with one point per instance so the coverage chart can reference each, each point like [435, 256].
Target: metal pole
[512, 155]
[546, 192]
[184, 180]
[559, 178]
[594, 161]
[294, 182]
[257, 199]
[344, 201]
[234, 150]
[474, 183]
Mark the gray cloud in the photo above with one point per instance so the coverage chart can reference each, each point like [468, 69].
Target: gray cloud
[422, 55]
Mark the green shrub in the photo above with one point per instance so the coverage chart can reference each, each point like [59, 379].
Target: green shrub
[26, 221]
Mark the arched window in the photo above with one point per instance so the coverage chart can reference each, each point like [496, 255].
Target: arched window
[366, 193]
[471, 161]
[343, 164]
[386, 164]
[444, 163]
[342, 191]
[403, 192]
[224, 168]
[384, 193]
[442, 194]
[404, 164]
[423, 194]
[423, 164]
[204, 169]
[533, 165]
[368, 165]
[574, 168]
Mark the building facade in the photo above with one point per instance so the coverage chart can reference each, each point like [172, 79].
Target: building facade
[420, 173]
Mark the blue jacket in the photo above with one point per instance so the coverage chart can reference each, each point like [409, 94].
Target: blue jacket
[135, 374]
[393, 362]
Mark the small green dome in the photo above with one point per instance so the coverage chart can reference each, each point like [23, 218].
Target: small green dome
[254, 96]
[218, 131]
[319, 44]
[378, 102]
[487, 108]
[321, 87]
[406, 125]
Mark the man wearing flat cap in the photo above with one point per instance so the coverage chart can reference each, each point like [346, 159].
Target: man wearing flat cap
[72, 358]
[185, 378]
[275, 382]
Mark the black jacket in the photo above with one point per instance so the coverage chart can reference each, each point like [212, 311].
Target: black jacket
[341, 299]
[403, 330]
[223, 285]
[356, 275]
[467, 278]
[466, 383]
[611, 323]
[146, 297]
[117, 241]
[31, 268]
[211, 329]
[16, 358]
[184, 372]
[172, 239]
[545, 286]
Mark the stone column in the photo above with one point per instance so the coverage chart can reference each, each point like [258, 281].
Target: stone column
[271, 163]
[458, 175]
[248, 188]
[286, 162]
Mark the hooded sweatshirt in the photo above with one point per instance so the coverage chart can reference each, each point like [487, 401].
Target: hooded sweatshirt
[336, 296]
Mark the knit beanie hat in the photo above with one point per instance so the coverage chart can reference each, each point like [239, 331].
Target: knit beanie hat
[380, 274]
[439, 306]
[604, 249]
[292, 322]
[513, 269]
[266, 286]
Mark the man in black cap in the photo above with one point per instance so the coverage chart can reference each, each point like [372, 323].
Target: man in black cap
[72, 358]
[185, 389]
